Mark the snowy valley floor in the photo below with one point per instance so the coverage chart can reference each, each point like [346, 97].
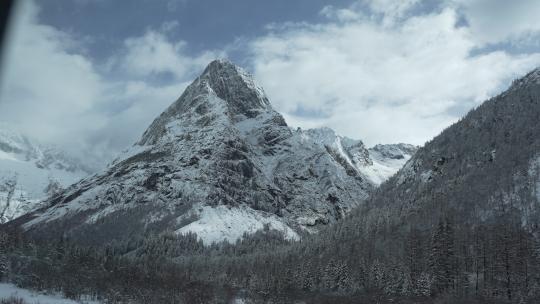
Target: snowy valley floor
[31, 297]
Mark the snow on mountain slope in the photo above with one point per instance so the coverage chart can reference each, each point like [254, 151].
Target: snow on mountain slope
[29, 172]
[387, 160]
[32, 297]
[223, 223]
[375, 164]
[223, 154]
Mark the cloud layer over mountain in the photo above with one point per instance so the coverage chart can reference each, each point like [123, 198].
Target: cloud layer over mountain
[375, 70]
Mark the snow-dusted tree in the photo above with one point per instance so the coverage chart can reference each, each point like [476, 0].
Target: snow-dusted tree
[343, 276]
[442, 263]
[328, 278]
[424, 284]
[8, 185]
[393, 284]
[377, 276]
[3, 255]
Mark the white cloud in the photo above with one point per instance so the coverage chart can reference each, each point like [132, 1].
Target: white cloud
[153, 53]
[495, 21]
[55, 93]
[390, 9]
[43, 79]
[340, 14]
[172, 5]
[372, 71]
[381, 81]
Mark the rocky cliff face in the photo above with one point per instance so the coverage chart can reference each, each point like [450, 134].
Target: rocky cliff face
[220, 162]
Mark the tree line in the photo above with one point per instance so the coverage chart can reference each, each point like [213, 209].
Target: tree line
[488, 263]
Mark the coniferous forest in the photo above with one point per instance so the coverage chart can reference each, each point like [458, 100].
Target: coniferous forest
[491, 263]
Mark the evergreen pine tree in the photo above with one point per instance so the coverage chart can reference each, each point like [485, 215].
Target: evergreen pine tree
[442, 258]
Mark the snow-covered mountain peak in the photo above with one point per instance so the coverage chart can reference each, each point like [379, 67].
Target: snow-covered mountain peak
[394, 151]
[223, 72]
[17, 147]
[237, 87]
[11, 142]
[323, 135]
[218, 156]
[223, 93]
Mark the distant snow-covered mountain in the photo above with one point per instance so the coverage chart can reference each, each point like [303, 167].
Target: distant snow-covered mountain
[29, 172]
[221, 162]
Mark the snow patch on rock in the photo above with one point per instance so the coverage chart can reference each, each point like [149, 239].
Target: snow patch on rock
[382, 169]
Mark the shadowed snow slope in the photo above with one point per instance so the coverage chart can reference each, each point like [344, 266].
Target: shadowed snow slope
[220, 162]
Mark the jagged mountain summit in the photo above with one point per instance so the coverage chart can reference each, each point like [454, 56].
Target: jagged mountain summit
[30, 171]
[221, 162]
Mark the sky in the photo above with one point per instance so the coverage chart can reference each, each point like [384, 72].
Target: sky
[90, 75]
